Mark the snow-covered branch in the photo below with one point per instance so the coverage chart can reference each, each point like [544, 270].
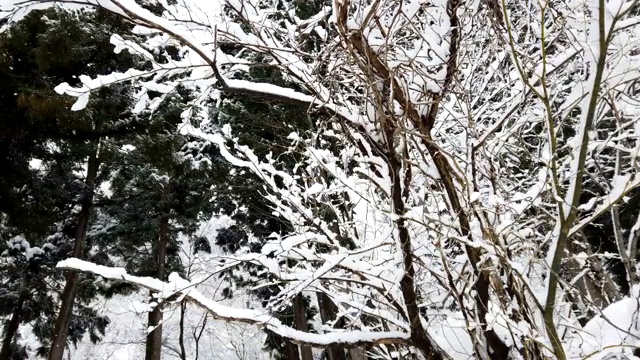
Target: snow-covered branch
[455, 157]
[179, 286]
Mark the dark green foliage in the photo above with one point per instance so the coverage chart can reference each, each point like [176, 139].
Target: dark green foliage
[39, 203]
[149, 179]
[201, 244]
[263, 126]
[155, 178]
[153, 172]
[86, 320]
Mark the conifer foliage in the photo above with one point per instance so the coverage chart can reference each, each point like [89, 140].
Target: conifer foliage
[405, 179]
[51, 161]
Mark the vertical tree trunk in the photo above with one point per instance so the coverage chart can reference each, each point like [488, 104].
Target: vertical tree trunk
[12, 328]
[357, 354]
[154, 339]
[419, 335]
[329, 312]
[300, 319]
[292, 351]
[61, 327]
[183, 311]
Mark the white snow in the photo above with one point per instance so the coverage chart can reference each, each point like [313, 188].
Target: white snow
[222, 312]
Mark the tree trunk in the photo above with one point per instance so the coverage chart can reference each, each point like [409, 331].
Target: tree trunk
[183, 310]
[292, 351]
[300, 318]
[61, 328]
[357, 354]
[329, 312]
[420, 338]
[12, 328]
[154, 339]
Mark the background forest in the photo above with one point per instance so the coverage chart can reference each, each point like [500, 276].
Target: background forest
[315, 179]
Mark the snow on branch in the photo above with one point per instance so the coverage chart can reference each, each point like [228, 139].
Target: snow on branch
[205, 55]
[177, 285]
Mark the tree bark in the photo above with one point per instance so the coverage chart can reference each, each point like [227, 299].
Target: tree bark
[419, 336]
[61, 327]
[12, 328]
[292, 351]
[183, 310]
[300, 318]
[357, 354]
[154, 339]
[329, 312]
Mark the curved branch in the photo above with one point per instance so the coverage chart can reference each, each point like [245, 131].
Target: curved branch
[142, 17]
[177, 285]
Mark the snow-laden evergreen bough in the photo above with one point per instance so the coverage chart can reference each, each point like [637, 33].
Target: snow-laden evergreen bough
[476, 141]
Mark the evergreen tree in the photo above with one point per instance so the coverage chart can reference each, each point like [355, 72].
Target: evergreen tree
[264, 127]
[158, 192]
[46, 208]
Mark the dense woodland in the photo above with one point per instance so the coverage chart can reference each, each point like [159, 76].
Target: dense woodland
[319, 179]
